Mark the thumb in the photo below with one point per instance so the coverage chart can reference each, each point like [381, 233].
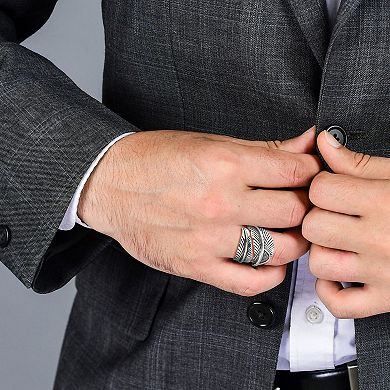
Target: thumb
[342, 160]
[304, 143]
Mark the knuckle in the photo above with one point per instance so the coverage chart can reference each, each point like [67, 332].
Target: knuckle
[308, 226]
[318, 268]
[339, 311]
[279, 257]
[214, 206]
[247, 289]
[313, 266]
[223, 161]
[296, 213]
[248, 292]
[291, 172]
[276, 144]
[317, 187]
[294, 172]
[361, 161]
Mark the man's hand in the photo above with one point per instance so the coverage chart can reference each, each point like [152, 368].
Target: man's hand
[176, 201]
[350, 231]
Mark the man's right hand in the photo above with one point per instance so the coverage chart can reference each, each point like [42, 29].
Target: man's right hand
[176, 201]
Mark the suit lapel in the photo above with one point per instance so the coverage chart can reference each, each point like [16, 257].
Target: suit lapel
[313, 20]
[345, 11]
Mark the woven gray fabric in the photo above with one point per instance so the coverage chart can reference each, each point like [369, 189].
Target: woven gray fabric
[253, 69]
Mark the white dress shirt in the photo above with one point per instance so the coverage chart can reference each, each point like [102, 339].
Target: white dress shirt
[71, 217]
[312, 338]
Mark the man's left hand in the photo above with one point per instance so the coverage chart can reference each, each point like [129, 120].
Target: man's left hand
[349, 227]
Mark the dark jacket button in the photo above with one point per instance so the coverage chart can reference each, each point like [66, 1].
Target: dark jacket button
[5, 236]
[261, 314]
[339, 133]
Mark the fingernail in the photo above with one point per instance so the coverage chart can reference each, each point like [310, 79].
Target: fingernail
[310, 130]
[332, 141]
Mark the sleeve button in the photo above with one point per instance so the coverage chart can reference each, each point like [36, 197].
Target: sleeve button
[5, 236]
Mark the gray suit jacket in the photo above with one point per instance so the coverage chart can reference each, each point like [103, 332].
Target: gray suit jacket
[254, 69]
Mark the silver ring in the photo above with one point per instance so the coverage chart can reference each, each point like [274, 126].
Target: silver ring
[256, 246]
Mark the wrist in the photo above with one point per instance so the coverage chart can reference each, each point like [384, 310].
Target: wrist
[87, 206]
[94, 203]
[89, 202]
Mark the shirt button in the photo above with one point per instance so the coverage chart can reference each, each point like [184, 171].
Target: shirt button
[261, 314]
[339, 133]
[5, 236]
[314, 314]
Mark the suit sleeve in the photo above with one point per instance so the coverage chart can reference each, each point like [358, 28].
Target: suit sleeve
[50, 133]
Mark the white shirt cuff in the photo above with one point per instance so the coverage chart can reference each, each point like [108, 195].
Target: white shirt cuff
[71, 217]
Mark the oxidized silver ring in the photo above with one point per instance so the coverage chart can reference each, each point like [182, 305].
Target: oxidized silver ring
[256, 246]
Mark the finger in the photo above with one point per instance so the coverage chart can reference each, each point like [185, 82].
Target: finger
[336, 265]
[333, 230]
[351, 302]
[345, 161]
[289, 245]
[303, 143]
[241, 279]
[269, 168]
[273, 208]
[345, 194]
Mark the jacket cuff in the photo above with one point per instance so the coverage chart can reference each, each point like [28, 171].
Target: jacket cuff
[51, 132]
